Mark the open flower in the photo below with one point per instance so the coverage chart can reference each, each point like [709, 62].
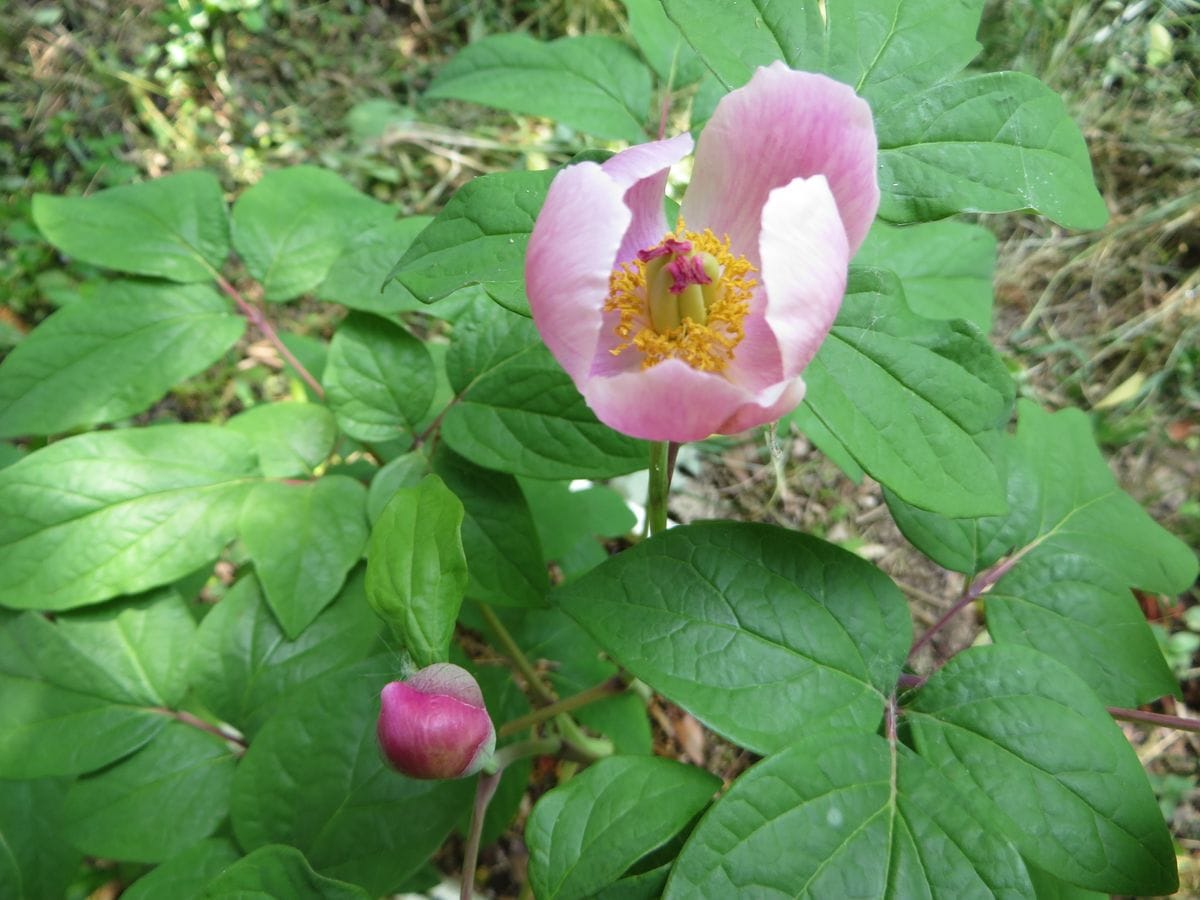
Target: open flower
[676, 334]
[435, 724]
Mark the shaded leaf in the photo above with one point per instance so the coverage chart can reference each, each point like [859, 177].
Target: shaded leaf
[291, 439]
[578, 833]
[304, 539]
[589, 82]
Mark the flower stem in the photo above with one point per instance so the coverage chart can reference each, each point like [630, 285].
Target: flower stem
[1151, 718]
[607, 688]
[660, 485]
[982, 582]
[485, 789]
[518, 657]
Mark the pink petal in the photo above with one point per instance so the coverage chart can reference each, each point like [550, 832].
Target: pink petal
[572, 252]
[642, 173]
[765, 409]
[674, 402]
[780, 126]
[804, 263]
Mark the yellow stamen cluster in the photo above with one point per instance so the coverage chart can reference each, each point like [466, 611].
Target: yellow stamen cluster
[708, 345]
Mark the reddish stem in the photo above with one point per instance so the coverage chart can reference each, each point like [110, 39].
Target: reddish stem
[985, 580]
[256, 317]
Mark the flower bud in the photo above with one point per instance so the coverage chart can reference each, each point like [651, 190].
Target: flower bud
[435, 725]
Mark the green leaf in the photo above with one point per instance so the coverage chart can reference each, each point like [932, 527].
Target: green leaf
[379, 379]
[885, 49]
[504, 559]
[243, 667]
[155, 803]
[175, 227]
[579, 836]
[525, 417]
[314, 778]
[672, 59]
[403, 471]
[912, 399]
[356, 278]
[292, 226]
[36, 863]
[291, 439]
[591, 83]
[277, 871]
[859, 817]
[1029, 742]
[946, 268]
[1076, 544]
[112, 355]
[50, 729]
[988, 143]
[417, 570]
[118, 512]
[128, 652]
[304, 539]
[184, 875]
[761, 633]
[479, 237]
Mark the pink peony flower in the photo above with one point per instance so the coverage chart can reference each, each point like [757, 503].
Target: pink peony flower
[676, 334]
[435, 724]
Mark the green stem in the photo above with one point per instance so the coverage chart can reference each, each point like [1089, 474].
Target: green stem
[519, 659]
[606, 688]
[485, 789]
[660, 484]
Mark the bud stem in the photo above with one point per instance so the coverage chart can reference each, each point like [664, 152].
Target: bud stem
[517, 656]
[606, 688]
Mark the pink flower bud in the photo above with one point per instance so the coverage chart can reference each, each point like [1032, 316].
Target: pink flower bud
[435, 725]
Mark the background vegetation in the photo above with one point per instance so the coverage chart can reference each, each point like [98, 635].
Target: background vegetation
[97, 93]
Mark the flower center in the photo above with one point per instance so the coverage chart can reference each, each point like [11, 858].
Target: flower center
[684, 298]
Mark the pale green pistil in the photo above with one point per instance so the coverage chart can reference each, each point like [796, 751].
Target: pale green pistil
[681, 286]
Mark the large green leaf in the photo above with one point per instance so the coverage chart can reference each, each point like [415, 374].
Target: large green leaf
[912, 399]
[885, 49]
[1033, 747]
[417, 569]
[175, 227]
[155, 803]
[989, 143]
[118, 512]
[50, 728]
[243, 667]
[356, 278]
[112, 355]
[36, 862]
[579, 834]
[592, 83]
[518, 412]
[379, 379]
[291, 439]
[763, 634]
[504, 560]
[274, 871]
[946, 268]
[479, 237]
[314, 778]
[574, 524]
[1076, 544]
[135, 651]
[845, 815]
[291, 227]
